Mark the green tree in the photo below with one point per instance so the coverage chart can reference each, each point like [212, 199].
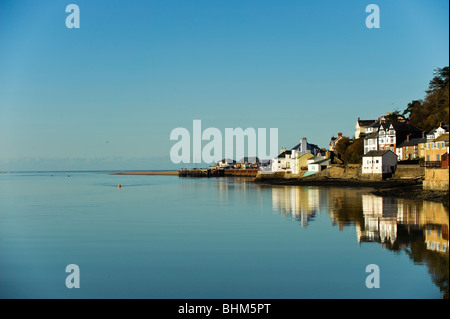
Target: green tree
[434, 108]
[341, 147]
[355, 152]
[350, 151]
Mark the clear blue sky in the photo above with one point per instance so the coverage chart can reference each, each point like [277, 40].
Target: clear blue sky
[135, 70]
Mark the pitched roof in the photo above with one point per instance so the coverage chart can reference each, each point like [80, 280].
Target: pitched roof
[401, 126]
[320, 161]
[445, 127]
[365, 122]
[372, 135]
[375, 123]
[252, 160]
[443, 137]
[377, 153]
[414, 141]
[283, 155]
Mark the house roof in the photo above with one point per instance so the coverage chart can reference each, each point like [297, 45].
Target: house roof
[365, 122]
[443, 137]
[404, 126]
[252, 160]
[323, 160]
[445, 127]
[283, 155]
[414, 141]
[377, 153]
[311, 145]
[372, 135]
[375, 123]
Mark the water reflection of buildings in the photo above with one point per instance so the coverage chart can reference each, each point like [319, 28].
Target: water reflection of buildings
[397, 221]
[380, 220]
[301, 203]
[435, 225]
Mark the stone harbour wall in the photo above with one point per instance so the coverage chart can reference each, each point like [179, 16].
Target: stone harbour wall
[436, 179]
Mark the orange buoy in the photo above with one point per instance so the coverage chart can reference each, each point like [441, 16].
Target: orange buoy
[120, 186]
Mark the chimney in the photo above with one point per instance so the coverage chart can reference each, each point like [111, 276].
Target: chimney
[423, 134]
[339, 134]
[407, 137]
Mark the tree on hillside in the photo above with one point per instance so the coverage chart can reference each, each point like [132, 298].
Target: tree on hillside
[350, 151]
[434, 108]
[355, 152]
[341, 147]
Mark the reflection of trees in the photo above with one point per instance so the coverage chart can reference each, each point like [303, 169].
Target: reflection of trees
[412, 219]
[437, 263]
[345, 208]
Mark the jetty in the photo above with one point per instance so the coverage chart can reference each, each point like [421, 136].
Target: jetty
[214, 172]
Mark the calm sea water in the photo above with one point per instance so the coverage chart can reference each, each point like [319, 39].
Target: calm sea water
[166, 237]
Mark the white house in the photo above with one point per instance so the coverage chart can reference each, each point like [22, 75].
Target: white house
[283, 162]
[288, 160]
[316, 165]
[434, 134]
[334, 141]
[361, 127]
[371, 142]
[379, 162]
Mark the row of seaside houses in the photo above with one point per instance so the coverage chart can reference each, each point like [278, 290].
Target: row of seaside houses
[405, 140]
[385, 144]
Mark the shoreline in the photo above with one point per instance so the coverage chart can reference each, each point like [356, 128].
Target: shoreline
[398, 188]
[164, 173]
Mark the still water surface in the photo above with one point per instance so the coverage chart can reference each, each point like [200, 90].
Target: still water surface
[166, 237]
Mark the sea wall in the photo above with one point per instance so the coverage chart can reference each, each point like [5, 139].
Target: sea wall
[409, 171]
[436, 179]
[350, 171]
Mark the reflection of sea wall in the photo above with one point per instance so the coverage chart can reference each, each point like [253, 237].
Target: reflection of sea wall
[299, 202]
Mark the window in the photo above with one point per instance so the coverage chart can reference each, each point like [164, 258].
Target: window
[428, 158]
[438, 157]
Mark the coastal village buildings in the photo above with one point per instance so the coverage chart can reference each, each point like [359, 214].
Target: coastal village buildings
[391, 135]
[317, 164]
[290, 161]
[433, 134]
[361, 127]
[378, 164]
[411, 148]
[334, 141]
[386, 145]
[435, 149]
[371, 142]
